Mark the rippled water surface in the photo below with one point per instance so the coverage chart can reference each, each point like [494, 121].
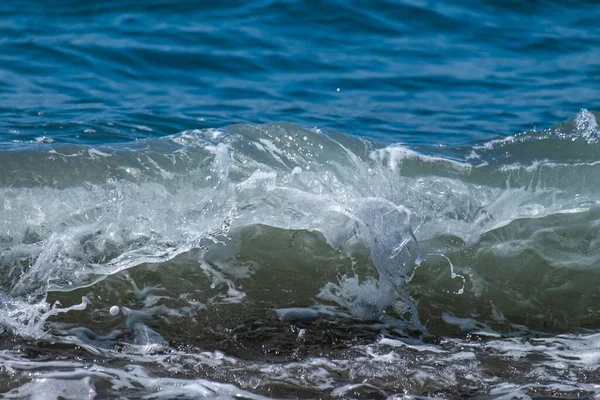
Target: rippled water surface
[407, 71]
[383, 200]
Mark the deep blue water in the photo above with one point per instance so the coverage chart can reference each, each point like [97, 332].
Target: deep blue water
[407, 71]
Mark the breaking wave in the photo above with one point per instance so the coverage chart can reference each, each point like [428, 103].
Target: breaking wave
[196, 235]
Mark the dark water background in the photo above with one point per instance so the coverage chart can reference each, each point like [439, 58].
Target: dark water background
[407, 71]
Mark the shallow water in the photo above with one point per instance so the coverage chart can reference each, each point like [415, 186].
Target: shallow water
[411, 235]
[278, 261]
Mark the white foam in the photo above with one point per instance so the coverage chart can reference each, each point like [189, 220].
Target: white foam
[586, 125]
[41, 388]
[95, 152]
[29, 319]
[393, 156]
[259, 179]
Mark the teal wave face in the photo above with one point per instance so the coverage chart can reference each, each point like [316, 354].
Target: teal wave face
[490, 226]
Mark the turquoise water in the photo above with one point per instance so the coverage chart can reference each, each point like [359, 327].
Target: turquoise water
[363, 200]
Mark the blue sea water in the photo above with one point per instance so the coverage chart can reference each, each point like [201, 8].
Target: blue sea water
[446, 72]
[299, 199]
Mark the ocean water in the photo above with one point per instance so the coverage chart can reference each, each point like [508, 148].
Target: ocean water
[285, 199]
